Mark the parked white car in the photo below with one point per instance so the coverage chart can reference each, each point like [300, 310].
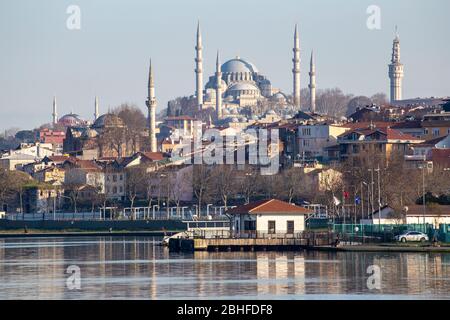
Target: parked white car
[412, 236]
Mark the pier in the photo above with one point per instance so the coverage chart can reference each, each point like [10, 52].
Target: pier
[284, 242]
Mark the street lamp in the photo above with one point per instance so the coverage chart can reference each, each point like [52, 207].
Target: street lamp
[368, 197]
[379, 195]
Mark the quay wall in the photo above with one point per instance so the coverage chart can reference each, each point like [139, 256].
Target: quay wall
[105, 225]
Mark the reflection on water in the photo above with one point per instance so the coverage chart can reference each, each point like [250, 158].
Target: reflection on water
[138, 268]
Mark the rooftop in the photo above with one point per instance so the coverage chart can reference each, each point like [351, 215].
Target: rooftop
[271, 206]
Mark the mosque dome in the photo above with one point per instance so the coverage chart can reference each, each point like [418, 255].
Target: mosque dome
[71, 120]
[108, 120]
[279, 96]
[238, 65]
[243, 88]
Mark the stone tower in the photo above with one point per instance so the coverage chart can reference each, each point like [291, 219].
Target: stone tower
[296, 69]
[96, 114]
[312, 84]
[151, 105]
[396, 70]
[218, 88]
[199, 69]
[55, 112]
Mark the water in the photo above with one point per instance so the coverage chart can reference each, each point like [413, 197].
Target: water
[137, 268]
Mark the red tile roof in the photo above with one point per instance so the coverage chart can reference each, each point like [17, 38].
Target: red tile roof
[154, 156]
[272, 206]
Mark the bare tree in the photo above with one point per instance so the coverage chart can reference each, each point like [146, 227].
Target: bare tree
[201, 183]
[224, 182]
[134, 182]
[248, 183]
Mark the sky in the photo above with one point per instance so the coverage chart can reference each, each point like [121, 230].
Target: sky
[108, 56]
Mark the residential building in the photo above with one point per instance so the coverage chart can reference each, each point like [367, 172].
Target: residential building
[373, 140]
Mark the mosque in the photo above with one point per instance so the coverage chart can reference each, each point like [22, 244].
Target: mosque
[238, 83]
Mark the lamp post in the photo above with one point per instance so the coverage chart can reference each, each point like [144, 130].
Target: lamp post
[423, 190]
[371, 189]
[379, 195]
[368, 198]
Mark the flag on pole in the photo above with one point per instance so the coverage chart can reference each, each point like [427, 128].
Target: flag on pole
[336, 201]
[357, 200]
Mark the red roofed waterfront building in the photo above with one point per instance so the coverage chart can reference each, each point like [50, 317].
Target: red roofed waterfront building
[267, 217]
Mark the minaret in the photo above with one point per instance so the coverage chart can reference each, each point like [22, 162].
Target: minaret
[396, 70]
[296, 69]
[55, 112]
[199, 69]
[96, 114]
[218, 88]
[151, 105]
[312, 84]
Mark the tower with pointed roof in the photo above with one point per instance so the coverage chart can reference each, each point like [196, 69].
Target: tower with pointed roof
[55, 112]
[312, 84]
[218, 88]
[96, 113]
[199, 69]
[296, 69]
[396, 71]
[151, 105]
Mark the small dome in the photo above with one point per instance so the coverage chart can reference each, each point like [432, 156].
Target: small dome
[238, 65]
[108, 120]
[225, 112]
[279, 96]
[271, 112]
[71, 120]
[241, 86]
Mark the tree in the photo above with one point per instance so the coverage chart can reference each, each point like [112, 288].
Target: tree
[73, 191]
[134, 181]
[358, 102]
[332, 102]
[223, 179]
[248, 182]
[135, 123]
[12, 184]
[201, 183]
[380, 99]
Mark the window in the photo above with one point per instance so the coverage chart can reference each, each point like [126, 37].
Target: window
[271, 226]
[250, 225]
[121, 177]
[290, 227]
[435, 132]
[121, 189]
[114, 190]
[115, 178]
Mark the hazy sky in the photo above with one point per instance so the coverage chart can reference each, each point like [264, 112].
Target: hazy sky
[108, 56]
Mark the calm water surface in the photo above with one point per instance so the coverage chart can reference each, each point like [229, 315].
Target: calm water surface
[138, 268]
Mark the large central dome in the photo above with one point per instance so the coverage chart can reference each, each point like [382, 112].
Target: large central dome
[238, 65]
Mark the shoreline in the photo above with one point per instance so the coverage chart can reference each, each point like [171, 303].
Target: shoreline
[54, 234]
